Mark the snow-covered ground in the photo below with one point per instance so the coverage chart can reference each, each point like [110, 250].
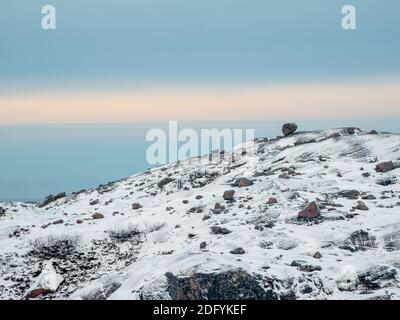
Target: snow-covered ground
[153, 235]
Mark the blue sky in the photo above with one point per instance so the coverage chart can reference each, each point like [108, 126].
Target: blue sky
[102, 43]
[132, 60]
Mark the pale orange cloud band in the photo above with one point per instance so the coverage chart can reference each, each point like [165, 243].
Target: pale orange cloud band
[221, 104]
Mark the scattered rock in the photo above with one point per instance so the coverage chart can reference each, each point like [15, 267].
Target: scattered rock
[289, 128]
[242, 182]
[309, 268]
[317, 255]
[2, 211]
[219, 230]
[272, 200]
[136, 206]
[385, 166]
[59, 221]
[366, 174]
[218, 208]
[298, 263]
[368, 197]
[284, 175]
[161, 184]
[196, 209]
[79, 221]
[238, 251]
[303, 266]
[97, 216]
[306, 289]
[198, 197]
[361, 206]
[387, 181]
[228, 195]
[310, 211]
[94, 202]
[349, 194]
[203, 245]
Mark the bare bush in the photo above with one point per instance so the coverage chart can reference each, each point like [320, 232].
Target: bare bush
[130, 233]
[59, 247]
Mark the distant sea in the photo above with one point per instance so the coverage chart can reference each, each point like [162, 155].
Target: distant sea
[39, 160]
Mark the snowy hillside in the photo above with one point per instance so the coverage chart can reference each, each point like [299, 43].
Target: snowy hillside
[313, 215]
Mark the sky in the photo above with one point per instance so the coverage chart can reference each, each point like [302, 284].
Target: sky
[76, 102]
[141, 60]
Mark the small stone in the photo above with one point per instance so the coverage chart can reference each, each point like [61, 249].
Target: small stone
[228, 195]
[164, 182]
[309, 268]
[311, 211]
[94, 202]
[97, 216]
[298, 263]
[284, 175]
[368, 197]
[219, 230]
[289, 128]
[203, 245]
[59, 221]
[349, 194]
[185, 201]
[317, 255]
[79, 221]
[361, 206]
[242, 182]
[306, 289]
[387, 181]
[272, 200]
[385, 166]
[136, 206]
[238, 251]
[198, 197]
